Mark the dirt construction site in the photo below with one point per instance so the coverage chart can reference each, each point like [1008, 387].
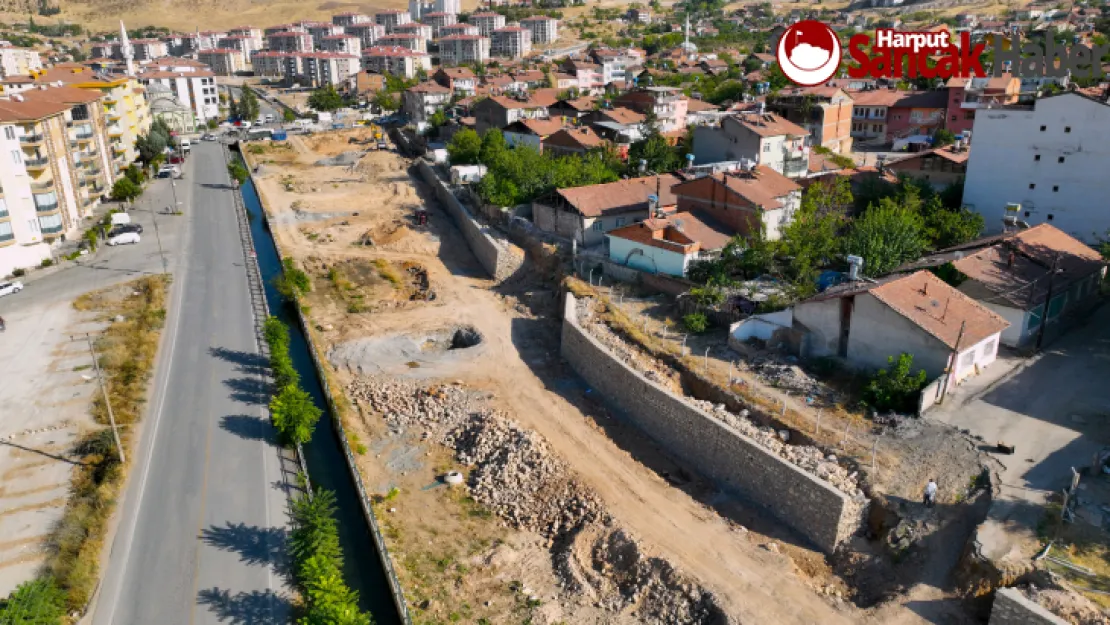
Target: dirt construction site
[563, 513]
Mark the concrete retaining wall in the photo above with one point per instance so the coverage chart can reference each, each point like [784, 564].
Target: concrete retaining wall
[1012, 608]
[809, 505]
[498, 256]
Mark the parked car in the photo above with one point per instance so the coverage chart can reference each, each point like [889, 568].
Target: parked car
[125, 228]
[120, 219]
[124, 238]
[169, 171]
[270, 118]
[8, 288]
[186, 146]
[208, 137]
[176, 159]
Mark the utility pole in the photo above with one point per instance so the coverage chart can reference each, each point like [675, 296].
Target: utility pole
[1048, 299]
[107, 400]
[955, 362]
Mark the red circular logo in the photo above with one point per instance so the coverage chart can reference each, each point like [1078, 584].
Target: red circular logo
[808, 53]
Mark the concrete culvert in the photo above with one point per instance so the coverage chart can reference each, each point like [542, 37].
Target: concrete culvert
[465, 337]
[453, 478]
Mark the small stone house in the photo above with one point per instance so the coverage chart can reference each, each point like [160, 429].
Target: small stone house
[744, 201]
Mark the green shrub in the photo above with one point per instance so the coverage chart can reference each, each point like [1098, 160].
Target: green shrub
[318, 560]
[294, 414]
[293, 282]
[696, 322]
[37, 602]
[19, 273]
[896, 387]
[47, 262]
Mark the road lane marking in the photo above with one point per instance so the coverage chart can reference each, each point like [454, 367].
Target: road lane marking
[203, 507]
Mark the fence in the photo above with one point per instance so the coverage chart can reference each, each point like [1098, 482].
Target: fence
[341, 433]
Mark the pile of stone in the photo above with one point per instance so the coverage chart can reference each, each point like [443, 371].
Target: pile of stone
[1066, 603]
[405, 403]
[649, 367]
[806, 457]
[787, 376]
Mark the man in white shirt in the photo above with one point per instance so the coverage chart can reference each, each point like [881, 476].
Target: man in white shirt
[931, 493]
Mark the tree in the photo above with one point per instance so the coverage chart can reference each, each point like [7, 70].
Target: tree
[943, 137]
[896, 387]
[238, 171]
[37, 602]
[948, 227]
[465, 147]
[288, 116]
[294, 414]
[493, 147]
[385, 101]
[151, 146]
[125, 191]
[326, 99]
[248, 104]
[660, 157]
[437, 119]
[135, 174]
[813, 238]
[886, 236]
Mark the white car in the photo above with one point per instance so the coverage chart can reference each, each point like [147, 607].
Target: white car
[124, 238]
[7, 288]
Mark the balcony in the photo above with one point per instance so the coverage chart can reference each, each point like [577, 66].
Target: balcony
[91, 173]
[42, 186]
[36, 164]
[5, 238]
[32, 139]
[115, 131]
[82, 182]
[47, 208]
[51, 230]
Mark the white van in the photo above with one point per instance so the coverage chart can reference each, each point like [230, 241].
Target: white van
[186, 145]
[119, 219]
[270, 118]
[124, 238]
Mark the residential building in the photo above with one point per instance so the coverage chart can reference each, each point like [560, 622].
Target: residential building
[422, 101]
[967, 95]
[1042, 163]
[269, 64]
[223, 61]
[452, 30]
[487, 22]
[585, 214]
[940, 167]
[641, 15]
[530, 132]
[575, 110]
[464, 49]
[513, 42]
[149, 49]
[668, 104]
[500, 111]
[208, 39]
[350, 19]
[321, 31]
[573, 141]
[421, 9]
[1012, 275]
[368, 34]
[315, 69]
[870, 110]
[744, 201]
[289, 41]
[667, 245]
[766, 139]
[106, 50]
[343, 44]
[544, 29]
[18, 61]
[865, 323]
[240, 43]
[392, 19]
[365, 85]
[413, 42]
[415, 29]
[195, 89]
[396, 61]
[438, 20]
[254, 34]
[588, 77]
[460, 80]
[826, 112]
[22, 242]
[916, 114]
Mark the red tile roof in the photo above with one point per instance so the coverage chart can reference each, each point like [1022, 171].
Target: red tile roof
[939, 309]
[620, 197]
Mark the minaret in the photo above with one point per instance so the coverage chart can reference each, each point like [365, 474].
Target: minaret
[686, 43]
[126, 50]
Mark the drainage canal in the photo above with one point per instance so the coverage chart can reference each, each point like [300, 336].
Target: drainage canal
[326, 464]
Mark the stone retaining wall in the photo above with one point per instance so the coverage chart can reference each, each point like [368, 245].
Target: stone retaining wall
[497, 255]
[1013, 608]
[812, 507]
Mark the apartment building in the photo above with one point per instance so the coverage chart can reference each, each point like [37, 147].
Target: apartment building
[392, 19]
[106, 50]
[290, 41]
[487, 22]
[967, 95]
[342, 44]
[437, 20]
[283, 28]
[254, 34]
[416, 43]
[512, 42]
[415, 29]
[18, 61]
[870, 111]
[193, 87]
[224, 61]
[315, 69]
[269, 64]
[423, 100]
[765, 139]
[395, 60]
[460, 80]
[208, 39]
[668, 104]
[544, 29]
[245, 45]
[826, 112]
[463, 49]
[420, 9]
[321, 31]
[350, 19]
[149, 49]
[22, 243]
[1042, 163]
[368, 33]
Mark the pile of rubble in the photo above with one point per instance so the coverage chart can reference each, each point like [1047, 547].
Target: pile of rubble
[1065, 603]
[787, 376]
[649, 367]
[806, 457]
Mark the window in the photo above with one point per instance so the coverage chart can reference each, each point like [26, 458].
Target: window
[988, 348]
[620, 221]
[766, 147]
[1036, 157]
[15, 157]
[1050, 216]
[967, 359]
[9, 132]
[597, 226]
[969, 115]
[1035, 318]
[1032, 186]
[1067, 128]
[953, 118]
[1043, 128]
[1055, 188]
[1060, 160]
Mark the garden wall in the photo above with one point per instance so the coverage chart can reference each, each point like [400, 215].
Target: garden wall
[1013, 608]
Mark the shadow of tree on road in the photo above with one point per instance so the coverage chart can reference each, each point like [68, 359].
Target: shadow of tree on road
[248, 427]
[248, 363]
[249, 391]
[246, 608]
[262, 546]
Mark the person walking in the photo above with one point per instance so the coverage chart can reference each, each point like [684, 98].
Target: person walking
[931, 493]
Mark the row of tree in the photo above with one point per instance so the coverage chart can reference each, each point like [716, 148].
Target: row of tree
[292, 410]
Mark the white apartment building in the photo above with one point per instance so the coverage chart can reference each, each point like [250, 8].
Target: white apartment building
[195, 88]
[414, 28]
[245, 45]
[766, 139]
[416, 43]
[350, 19]
[513, 42]
[343, 44]
[420, 9]
[544, 29]
[18, 61]
[269, 64]
[392, 19]
[254, 34]
[290, 42]
[315, 69]
[283, 28]
[224, 61]
[208, 39]
[395, 60]
[368, 33]
[451, 30]
[22, 244]
[464, 49]
[487, 22]
[438, 20]
[1049, 159]
[107, 50]
[321, 30]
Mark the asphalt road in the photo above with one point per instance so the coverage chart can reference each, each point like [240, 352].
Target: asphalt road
[202, 524]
